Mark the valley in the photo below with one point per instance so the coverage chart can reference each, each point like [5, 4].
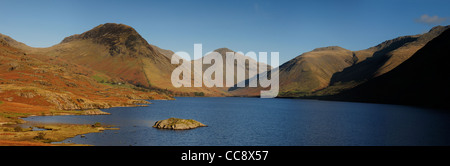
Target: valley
[112, 65]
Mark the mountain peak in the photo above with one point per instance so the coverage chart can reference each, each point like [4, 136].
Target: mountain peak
[434, 32]
[108, 31]
[439, 28]
[118, 37]
[113, 28]
[329, 48]
[223, 50]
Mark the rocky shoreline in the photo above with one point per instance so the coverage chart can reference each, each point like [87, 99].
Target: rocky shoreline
[11, 134]
[19, 136]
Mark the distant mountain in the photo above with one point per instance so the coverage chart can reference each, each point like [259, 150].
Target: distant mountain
[236, 66]
[423, 79]
[330, 70]
[308, 72]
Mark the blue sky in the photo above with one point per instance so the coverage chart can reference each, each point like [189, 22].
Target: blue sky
[290, 27]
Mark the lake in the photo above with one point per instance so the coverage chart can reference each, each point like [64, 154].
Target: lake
[266, 122]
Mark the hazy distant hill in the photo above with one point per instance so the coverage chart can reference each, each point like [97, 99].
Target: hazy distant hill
[236, 66]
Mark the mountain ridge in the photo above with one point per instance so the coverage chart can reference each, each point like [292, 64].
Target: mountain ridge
[386, 56]
[119, 52]
[116, 50]
[329, 70]
[421, 80]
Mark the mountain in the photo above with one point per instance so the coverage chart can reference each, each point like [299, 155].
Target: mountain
[312, 71]
[386, 56]
[423, 79]
[167, 53]
[330, 70]
[118, 51]
[308, 72]
[237, 57]
[36, 84]
[13, 43]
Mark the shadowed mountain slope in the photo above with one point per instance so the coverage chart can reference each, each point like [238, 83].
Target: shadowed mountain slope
[329, 70]
[423, 79]
[386, 56]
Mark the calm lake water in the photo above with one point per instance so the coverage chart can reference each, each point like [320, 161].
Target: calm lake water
[271, 122]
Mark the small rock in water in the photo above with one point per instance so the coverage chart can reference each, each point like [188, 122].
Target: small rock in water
[178, 124]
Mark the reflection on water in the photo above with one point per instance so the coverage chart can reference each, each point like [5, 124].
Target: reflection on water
[255, 121]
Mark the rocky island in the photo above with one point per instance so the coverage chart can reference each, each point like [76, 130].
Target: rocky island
[178, 124]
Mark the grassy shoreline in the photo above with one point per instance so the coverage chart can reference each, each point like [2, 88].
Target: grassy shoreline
[12, 134]
[17, 136]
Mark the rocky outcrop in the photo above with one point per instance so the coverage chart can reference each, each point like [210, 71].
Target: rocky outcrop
[3, 42]
[95, 112]
[66, 102]
[134, 102]
[178, 124]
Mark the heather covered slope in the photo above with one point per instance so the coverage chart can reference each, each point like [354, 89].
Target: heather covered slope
[423, 79]
[118, 51]
[34, 84]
